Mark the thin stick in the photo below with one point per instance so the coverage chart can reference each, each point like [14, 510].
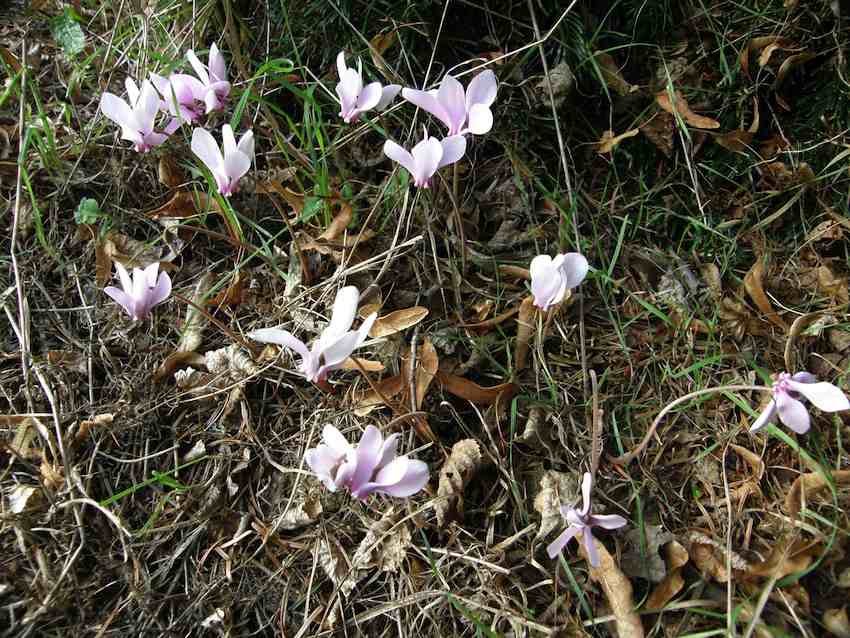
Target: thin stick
[628, 457]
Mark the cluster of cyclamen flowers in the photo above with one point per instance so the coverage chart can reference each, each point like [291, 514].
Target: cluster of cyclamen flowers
[373, 466]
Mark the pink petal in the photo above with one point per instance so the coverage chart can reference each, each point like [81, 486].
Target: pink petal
[124, 276]
[590, 547]
[246, 144]
[206, 148]
[480, 119]
[792, 413]
[557, 546]
[804, 377]
[161, 291]
[453, 149]
[398, 154]
[117, 110]
[388, 94]
[586, 487]
[414, 479]
[123, 299]
[426, 159]
[322, 460]
[333, 354]
[344, 311]
[768, 415]
[607, 521]
[365, 327]
[369, 97]
[236, 165]
[427, 102]
[368, 451]
[574, 267]
[348, 88]
[340, 64]
[132, 90]
[217, 66]
[482, 89]
[198, 66]
[453, 99]
[228, 140]
[823, 395]
[281, 338]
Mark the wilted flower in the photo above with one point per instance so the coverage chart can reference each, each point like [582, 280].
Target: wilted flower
[370, 468]
[334, 345]
[427, 157]
[786, 404]
[181, 96]
[461, 112]
[214, 85]
[581, 521]
[137, 118]
[143, 292]
[551, 278]
[356, 98]
[229, 167]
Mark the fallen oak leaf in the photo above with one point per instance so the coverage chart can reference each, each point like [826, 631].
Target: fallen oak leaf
[339, 223]
[809, 485]
[427, 364]
[618, 592]
[375, 398]
[474, 393]
[462, 464]
[610, 141]
[679, 106]
[784, 559]
[736, 141]
[753, 286]
[356, 363]
[397, 321]
[666, 590]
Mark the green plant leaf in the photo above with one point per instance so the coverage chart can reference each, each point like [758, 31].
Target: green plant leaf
[88, 211]
[67, 32]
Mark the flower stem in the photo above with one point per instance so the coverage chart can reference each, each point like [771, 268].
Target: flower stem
[637, 451]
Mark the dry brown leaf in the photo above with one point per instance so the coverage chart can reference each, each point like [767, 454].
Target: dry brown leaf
[736, 141]
[659, 130]
[785, 559]
[367, 364]
[829, 230]
[471, 391]
[25, 434]
[169, 172]
[192, 330]
[833, 285]
[303, 511]
[836, 622]
[98, 421]
[185, 204]
[679, 105]
[339, 223]
[618, 592]
[397, 321]
[21, 498]
[709, 556]
[752, 459]
[556, 488]
[753, 285]
[385, 545]
[612, 76]
[52, 475]
[333, 562]
[524, 332]
[758, 44]
[176, 360]
[378, 46]
[462, 464]
[641, 560]
[389, 388]
[666, 590]
[427, 364]
[234, 294]
[609, 141]
[789, 63]
[11, 59]
[811, 484]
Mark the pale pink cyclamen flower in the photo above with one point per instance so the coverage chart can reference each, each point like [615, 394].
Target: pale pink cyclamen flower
[214, 85]
[137, 118]
[334, 345]
[228, 167]
[551, 278]
[427, 157]
[370, 468]
[143, 292]
[581, 521]
[354, 97]
[462, 112]
[788, 390]
[182, 97]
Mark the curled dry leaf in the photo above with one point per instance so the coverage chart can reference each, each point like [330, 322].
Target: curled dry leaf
[130, 253]
[303, 511]
[397, 321]
[787, 557]
[385, 545]
[679, 105]
[618, 591]
[427, 364]
[386, 388]
[836, 622]
[759, 44]
[677, 558]
[833, 285]
[169, 172]
[231, 361]
[659, 130]
[176, 360]
[333, 562]
[610, 141]
[98, 421]
[611, 74]
[192, 329]
[709, 556]
[736, 141]
[556, 488]
[355, 363]
[753, 460]
[339, 223]
[462, 464]
[754, 287]
[524, 332]
[474, 393]
[810, 485]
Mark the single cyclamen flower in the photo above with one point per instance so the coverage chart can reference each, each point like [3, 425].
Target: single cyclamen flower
[137, 118]
[141, 293]
[462, 112]
[370, 468]
[228, 167]
[214, 85]
[334, 345]
[551, 278]
[182, 97]
[427, 157]
[581, 521]
[786, 404]
[354, 97]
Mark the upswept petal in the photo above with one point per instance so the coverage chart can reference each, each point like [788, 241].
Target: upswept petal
[334, 353]
[388, 450]
[337, 442]
[132, 90]
[348, 89]
[369, 97]
[124, 276]
[365, 327]
[823, 395]
[322, 460]
[246, 144]
[792, 413]
[236, 164]
[281, 338]
[586, 487]
[804, 377]
[388, 94]
[540, 265]
[427, 102]
[340, 64]
[161, 290]
[140, 286]
[557, 546]
[607, 521]
[768, 415]
[575, 269]
[343, 312]
[205, 147]
[217, 66]
[482, 89]
[590, 547]
[480, 119]
[451, 96]
[117, 110]
[368, 453]
[453, 149]
[228, 140]
[398, 154]
[198, 66]
[426, 158]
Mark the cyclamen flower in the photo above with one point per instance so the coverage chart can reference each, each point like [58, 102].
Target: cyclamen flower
[581, 521]
[229, 167]
[143, 292]
[427, 157]
[551, 278]
[334, 345]
[462, 112]
[786, 404]
[182, 96]
[370, 468]
[356, 98]
[137, 118]
[214, 85]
